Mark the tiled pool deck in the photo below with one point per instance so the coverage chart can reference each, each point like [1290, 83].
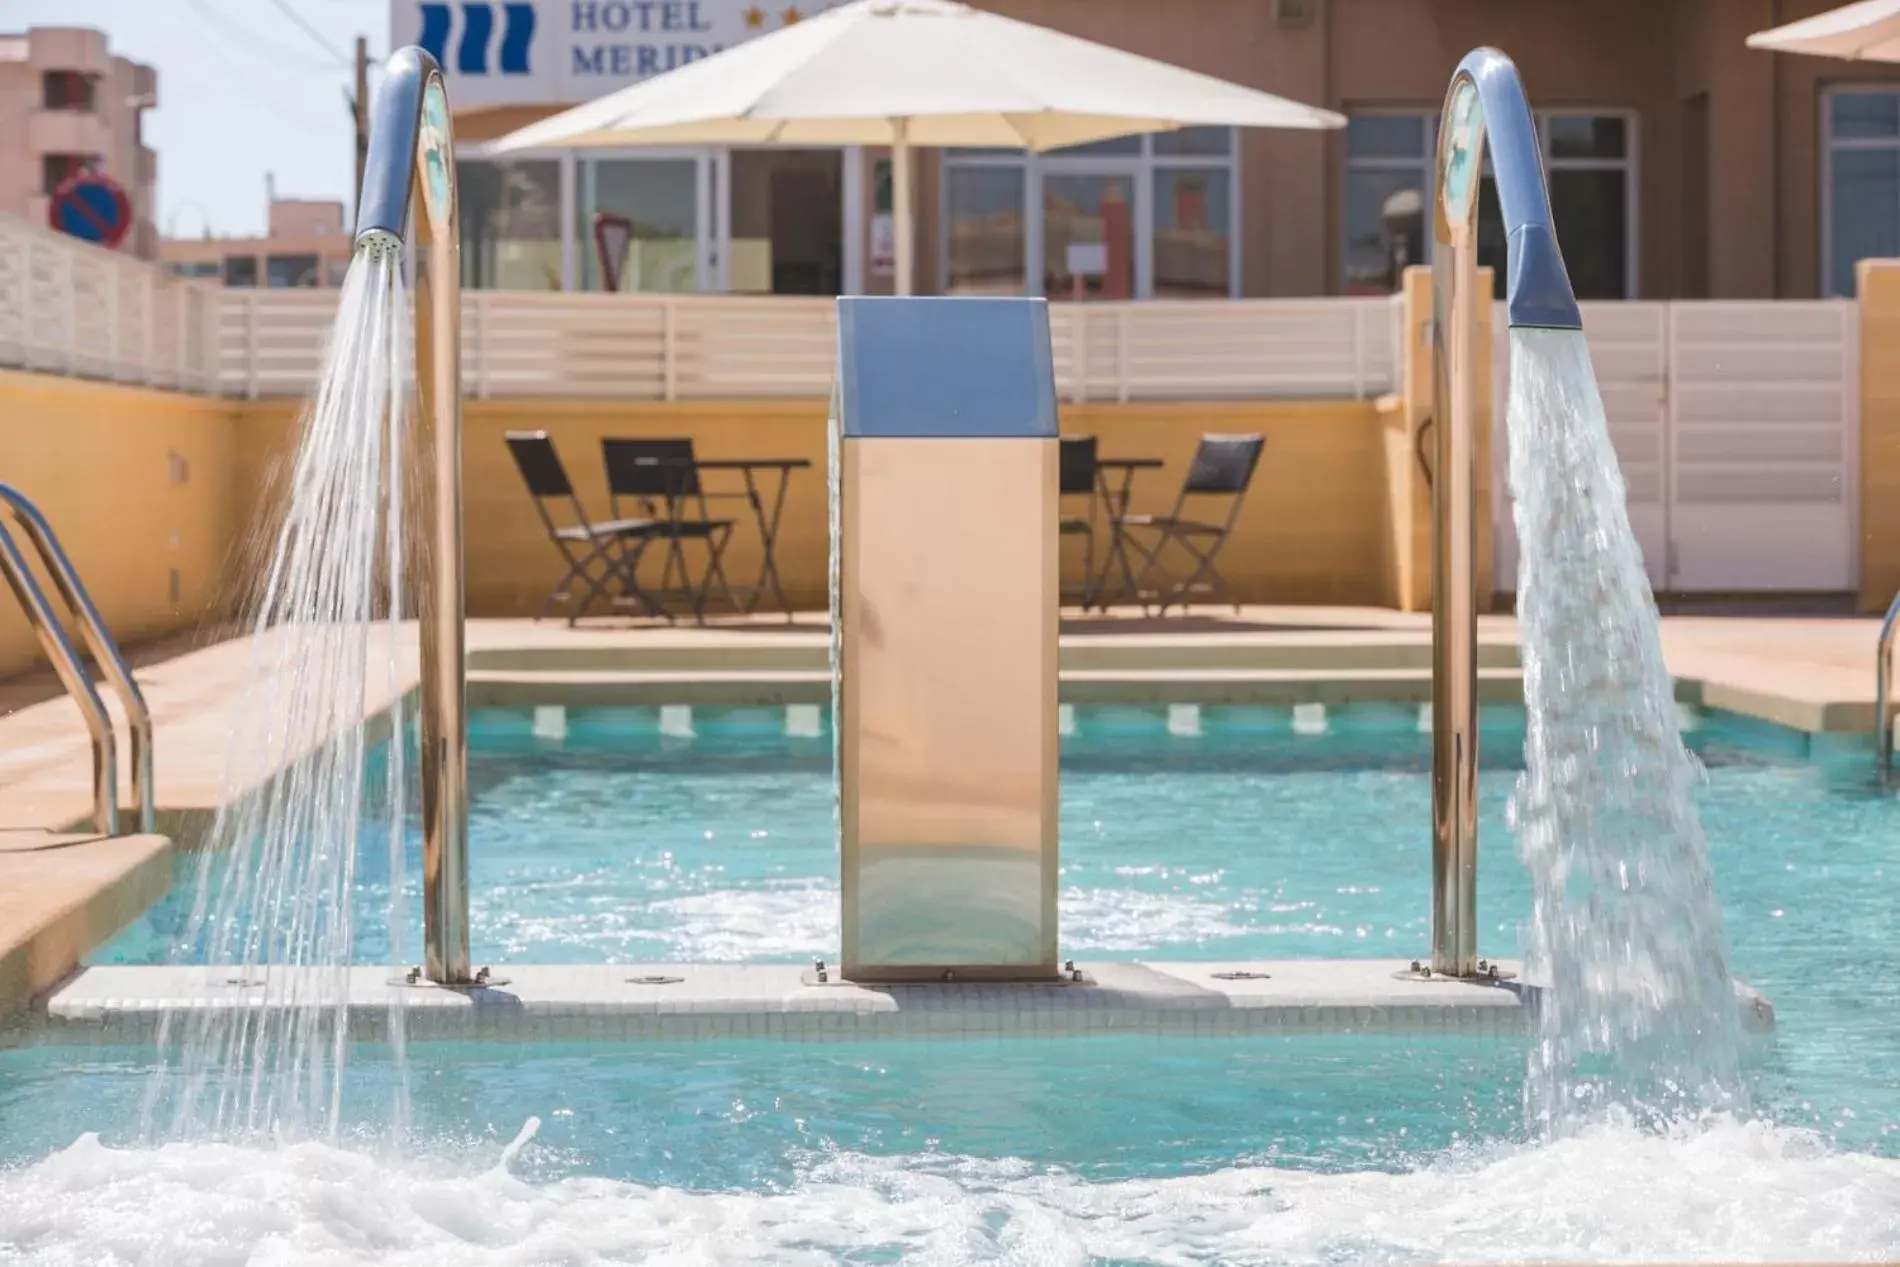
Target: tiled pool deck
[60, 897]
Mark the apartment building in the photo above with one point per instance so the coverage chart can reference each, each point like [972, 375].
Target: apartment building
[68, 105]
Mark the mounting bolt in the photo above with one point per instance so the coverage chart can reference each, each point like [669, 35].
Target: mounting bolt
[414, 976]
[481, 978]
[818, 966]
[1415, 967]
[949, 975]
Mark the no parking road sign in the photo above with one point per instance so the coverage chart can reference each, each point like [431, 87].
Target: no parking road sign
[91, 207]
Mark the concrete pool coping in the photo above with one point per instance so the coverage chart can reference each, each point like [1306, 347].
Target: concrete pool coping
[611, 1002]
[1813, 675]
[781, 1001]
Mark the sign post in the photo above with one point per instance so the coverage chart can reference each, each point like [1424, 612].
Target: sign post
[91, 207]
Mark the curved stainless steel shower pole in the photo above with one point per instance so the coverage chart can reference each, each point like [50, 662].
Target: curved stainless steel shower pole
[411, 153]
[1486, 97]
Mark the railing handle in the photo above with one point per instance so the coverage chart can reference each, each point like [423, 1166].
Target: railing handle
[1883, 690]
[99, 641]
[72, 675]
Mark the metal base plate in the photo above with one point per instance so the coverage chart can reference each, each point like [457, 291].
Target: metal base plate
[415, 980]
[1488, 973]
[823, 974]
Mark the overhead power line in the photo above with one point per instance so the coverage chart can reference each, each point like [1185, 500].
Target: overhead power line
[316, 36]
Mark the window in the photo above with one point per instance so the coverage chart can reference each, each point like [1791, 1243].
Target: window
[659, 197]
[1589, 161]
[1860, 190]
[55, 168]
[1134, 217]
[986, 230]
[194, 268]
[511, 224]
[240, 270]
[285, 271]
[69, 90]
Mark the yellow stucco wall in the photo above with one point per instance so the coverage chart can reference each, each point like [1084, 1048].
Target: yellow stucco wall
[1879, 287]
[1309, 532]
[103, 463]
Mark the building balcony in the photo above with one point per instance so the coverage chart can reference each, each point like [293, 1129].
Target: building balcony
[66, 132]
[70, 48]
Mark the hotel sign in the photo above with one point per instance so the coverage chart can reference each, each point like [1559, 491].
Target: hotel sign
[560, 52]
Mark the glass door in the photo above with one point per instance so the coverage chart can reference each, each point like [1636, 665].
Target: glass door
[1088, 234]
[647, 223]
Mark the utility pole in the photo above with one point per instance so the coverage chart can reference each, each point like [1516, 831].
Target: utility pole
[359, 107]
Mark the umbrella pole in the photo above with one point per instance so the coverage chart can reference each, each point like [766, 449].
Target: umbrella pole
[900, 204]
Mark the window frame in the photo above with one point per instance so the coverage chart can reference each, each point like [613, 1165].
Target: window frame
[1630, 164]
[1829, 144]
[1139, 168]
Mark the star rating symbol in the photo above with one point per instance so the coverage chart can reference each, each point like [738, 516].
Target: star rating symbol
[790, 15]
[754, 18]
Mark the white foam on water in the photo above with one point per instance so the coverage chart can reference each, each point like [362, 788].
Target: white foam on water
[1625, 923]
[799, 918]
[1131, 919]
[1727, 1191]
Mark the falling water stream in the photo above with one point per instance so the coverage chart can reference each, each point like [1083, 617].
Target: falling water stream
[276, 882]
[1640, 1015]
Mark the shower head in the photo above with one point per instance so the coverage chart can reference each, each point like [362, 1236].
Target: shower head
[410, 145]
[1486, 102]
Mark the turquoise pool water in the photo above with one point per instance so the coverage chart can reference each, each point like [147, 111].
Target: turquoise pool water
[1261, 836]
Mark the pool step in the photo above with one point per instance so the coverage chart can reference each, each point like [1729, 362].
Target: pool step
[63, 894]
[608, 688]
[1147, 653]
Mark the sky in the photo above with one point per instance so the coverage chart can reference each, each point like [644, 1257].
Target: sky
[243, 90]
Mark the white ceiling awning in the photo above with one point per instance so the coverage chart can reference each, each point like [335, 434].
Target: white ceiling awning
[1867, 31]
[903, 73]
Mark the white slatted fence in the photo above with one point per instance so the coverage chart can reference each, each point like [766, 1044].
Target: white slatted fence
[67, 307]
[697, 347]
[1734, 423]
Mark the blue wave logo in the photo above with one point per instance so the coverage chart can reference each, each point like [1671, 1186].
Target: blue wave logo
[478, 34]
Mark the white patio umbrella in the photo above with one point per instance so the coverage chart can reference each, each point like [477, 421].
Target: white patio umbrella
[912, 72]
[1867, 31]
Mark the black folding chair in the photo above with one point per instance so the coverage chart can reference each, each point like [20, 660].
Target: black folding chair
[1223, 467]
[597, 554]
[1077, 478]
[662, 479]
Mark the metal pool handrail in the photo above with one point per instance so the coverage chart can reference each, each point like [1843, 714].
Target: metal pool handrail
[1486, 97]
[98, 640]
[1883, 689]
[412, 158]
[72, 675]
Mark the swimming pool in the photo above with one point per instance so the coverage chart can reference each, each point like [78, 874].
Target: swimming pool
[1226, 833]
